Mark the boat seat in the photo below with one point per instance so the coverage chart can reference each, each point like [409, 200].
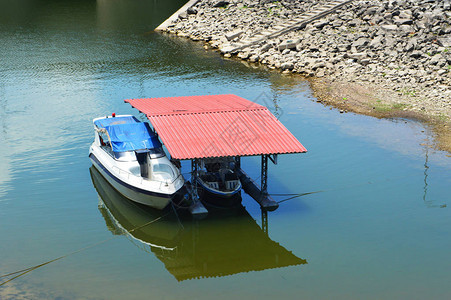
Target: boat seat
[231, 184]
[213, 184]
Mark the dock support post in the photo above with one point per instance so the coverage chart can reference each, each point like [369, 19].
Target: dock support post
[264, 175]
[237, 162]
[194, 180]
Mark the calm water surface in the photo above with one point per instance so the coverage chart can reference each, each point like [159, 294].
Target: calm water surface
[378, 227]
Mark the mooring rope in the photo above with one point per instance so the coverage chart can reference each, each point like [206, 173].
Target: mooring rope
[28, 270]
[294, 195]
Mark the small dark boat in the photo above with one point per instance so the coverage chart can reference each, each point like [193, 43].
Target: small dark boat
[217, 183]
[217, 178]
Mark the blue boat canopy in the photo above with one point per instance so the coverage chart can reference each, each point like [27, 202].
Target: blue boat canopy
[132, 136]
[102, 123]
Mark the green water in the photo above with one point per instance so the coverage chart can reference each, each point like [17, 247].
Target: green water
[379, 226]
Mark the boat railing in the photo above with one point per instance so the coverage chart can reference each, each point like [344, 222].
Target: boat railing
[122, 171]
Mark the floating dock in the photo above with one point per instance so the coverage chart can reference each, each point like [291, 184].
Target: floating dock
[251, 188]
[220, 126]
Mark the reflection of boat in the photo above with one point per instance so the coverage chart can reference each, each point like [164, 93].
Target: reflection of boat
[124, 217]
[222, 244]
[225, 245]
[130, 156]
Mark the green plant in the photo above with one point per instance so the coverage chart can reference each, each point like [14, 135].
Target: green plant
[380, 107]
[399, 106]
[442, 117]
[408, 92]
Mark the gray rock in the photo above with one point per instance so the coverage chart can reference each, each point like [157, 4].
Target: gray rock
[377, 41]
[221, 4]
[435, 59]
[389, 27]
[371, 10]
[287, 66]
[288, 44]
[400, 21]
[192, 11]
[444, 41]
[411, 45]
[234, 34]
[299, 47]
[317, 65]
[357, 56]
[265, 47]
[365, 61]
[183, 15]
[313, 48]
[406, 28]
[343, 47]
[243, 55]
[445, 30]
[405, 15]
[390, 42]
[309, 61]
[286, 51]
[320, 24]
[447, 5]
[360, 43]
[354, 23]
[337, 23]
[254, 58]
[416, 54]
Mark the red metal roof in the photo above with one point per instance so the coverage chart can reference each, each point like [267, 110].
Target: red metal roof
[216, 126]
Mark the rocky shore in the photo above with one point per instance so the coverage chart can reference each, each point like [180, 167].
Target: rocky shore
[377, 57]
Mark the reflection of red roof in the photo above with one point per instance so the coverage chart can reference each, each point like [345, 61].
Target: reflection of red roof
[216, 126]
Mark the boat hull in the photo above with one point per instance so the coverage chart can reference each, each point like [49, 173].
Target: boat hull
[215, 192]
[219, 198]
[134, 193]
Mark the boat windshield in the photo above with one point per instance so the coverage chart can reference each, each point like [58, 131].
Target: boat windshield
[163, 171]
[125, 156]
[130, 155]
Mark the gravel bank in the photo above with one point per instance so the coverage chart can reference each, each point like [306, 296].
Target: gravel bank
[379, 57]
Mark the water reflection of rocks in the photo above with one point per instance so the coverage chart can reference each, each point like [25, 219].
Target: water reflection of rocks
[223, 244]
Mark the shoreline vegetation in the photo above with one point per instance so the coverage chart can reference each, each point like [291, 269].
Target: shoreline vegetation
[381, 58]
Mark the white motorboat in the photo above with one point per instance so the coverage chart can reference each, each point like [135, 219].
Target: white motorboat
[131, 158]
